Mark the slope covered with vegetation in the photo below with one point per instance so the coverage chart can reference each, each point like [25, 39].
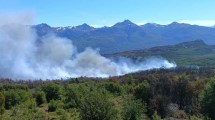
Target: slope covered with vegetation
[194, 53]
[182, 93]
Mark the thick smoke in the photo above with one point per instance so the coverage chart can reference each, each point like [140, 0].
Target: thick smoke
[23, 57]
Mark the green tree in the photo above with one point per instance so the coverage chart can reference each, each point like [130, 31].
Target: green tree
[52, 91]
[113, 88]
[142, 91]
[133, 109]
[207, 99]
[73, 95]
[15, 96]
[96, 106]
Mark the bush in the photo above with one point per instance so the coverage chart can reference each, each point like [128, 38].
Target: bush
[40, 115]
[52, 91]
[2, 103]
[39, 97]
[96, 106]
[24, 111]
[75, 115]
[113, 88]
[54, 105]
[62, 114]
[133, 110]
[142, 91]
[15, 96]
[155, 116]
[73, 95]
[195, 118]
[207, 99]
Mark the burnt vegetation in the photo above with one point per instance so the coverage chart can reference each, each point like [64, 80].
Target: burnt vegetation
[179, 93]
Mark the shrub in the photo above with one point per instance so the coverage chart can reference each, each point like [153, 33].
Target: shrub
[40, 115]
[195, 118]
[24, 111]
[39, 97]
[142, 91]
[2, 103]
[133, 110]
[52, 91]
[207, 99]
[75, 115]
[73, 94]
[15, 96]
[96, 106]
[113, 88]
[62, 114]
[155, 116]
[54, 105]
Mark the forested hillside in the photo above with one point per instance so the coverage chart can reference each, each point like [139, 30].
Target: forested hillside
[180, 93]
[193, 53]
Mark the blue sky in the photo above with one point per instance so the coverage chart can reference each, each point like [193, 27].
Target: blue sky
[108, 12]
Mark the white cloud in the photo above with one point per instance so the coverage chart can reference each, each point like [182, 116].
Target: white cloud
[20, 17]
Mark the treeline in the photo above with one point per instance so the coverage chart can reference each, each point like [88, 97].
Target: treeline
[179, 93]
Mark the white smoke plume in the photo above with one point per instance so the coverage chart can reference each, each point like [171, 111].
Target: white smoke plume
[22, 57]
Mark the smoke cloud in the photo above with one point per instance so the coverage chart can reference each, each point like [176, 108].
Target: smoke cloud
[23, 57]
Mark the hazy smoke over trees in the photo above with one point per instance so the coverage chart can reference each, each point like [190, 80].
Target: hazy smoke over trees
[23, 57]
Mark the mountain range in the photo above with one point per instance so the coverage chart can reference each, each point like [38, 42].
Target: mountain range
[127, 36]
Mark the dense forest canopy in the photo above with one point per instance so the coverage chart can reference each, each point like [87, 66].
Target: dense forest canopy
[180, 93]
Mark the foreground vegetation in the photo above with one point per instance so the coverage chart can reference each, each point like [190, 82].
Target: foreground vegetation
[182, 93]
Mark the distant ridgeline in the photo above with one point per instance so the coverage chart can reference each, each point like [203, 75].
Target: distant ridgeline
[193, 53]
[126, 36]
